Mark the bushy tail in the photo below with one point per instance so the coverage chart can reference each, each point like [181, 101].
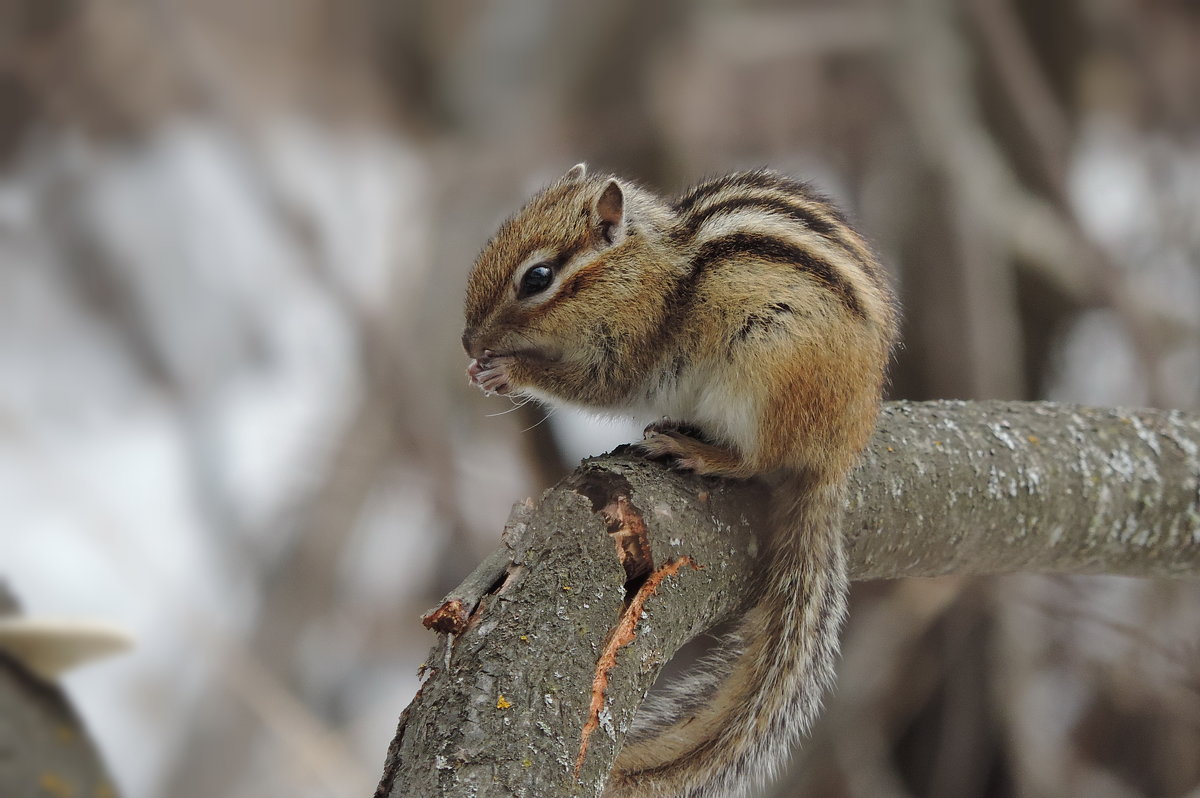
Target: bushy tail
[732, 724]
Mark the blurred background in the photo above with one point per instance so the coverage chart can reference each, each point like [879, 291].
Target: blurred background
[233, 418]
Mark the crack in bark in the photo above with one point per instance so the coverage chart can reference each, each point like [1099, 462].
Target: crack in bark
[622, 635]
[628, 529]
[609, 495]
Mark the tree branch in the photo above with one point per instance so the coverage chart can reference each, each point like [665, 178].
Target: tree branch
[623, 562]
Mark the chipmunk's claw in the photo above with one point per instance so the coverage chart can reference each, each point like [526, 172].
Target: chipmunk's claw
[490, 373]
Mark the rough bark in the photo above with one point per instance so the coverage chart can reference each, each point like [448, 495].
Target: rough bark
[551, 644]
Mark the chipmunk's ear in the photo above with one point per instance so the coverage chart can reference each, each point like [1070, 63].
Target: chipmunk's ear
[610, 213]
[576, 172]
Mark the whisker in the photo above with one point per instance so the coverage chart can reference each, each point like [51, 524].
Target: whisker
[516, 406]
[549, 412]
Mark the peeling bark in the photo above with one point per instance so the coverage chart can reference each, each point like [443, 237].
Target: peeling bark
[563, 634]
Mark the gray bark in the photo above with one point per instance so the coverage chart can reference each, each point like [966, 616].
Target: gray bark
[542, 666]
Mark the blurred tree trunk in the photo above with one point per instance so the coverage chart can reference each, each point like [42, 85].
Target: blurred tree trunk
[514, 702]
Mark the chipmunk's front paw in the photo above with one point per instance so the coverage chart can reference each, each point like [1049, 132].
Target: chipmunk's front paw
[664, 441]
[490, 373]
[686, 448]
[668, 426]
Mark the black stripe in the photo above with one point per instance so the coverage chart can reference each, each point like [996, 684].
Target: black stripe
[757, 179]
[761, 178]
[777, 205]
[760, 322]
[766, 179]
[771, 249]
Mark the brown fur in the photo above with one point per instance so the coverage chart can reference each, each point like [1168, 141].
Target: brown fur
[748, 308]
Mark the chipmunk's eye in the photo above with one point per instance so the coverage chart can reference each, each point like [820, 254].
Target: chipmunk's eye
[536, 280]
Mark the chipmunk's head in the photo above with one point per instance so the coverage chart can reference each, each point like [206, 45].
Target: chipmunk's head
[559, 274]
[530, 280]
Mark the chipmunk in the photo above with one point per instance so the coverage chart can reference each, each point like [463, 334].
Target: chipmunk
[751, 315]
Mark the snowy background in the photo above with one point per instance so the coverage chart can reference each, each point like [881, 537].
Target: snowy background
[233, 418]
